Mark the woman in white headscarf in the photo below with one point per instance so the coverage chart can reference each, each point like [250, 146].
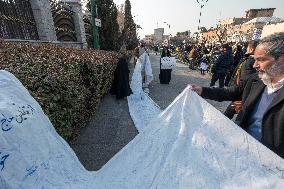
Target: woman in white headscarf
[146, 68]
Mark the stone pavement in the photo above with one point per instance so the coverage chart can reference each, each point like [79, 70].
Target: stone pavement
[164, 94]
[109, 131]
[112, 127]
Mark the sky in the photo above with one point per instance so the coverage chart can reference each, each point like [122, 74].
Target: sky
[183, 15]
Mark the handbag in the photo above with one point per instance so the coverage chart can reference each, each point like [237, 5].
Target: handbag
[168, 62]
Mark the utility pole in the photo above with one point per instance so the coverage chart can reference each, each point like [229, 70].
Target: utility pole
[94, 25]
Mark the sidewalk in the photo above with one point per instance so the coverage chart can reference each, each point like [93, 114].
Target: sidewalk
[109, 131]
[112, 127]
[163, 94]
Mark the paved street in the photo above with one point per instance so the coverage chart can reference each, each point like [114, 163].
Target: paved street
[163, 95]
[112, 128]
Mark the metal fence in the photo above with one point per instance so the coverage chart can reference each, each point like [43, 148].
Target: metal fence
[17, 20]
[63, 21]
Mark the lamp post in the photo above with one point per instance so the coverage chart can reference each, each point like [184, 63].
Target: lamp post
[202, 4]
[169, 34]
[137, 26]
[95, 27]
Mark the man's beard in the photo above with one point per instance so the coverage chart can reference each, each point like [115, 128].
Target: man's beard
[265, 78]
[272, 71]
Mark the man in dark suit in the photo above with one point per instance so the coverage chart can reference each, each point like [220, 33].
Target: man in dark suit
[222, 66]
[262, 110]
[242, 73]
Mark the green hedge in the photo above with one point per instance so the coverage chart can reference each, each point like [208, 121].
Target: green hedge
[68, 83]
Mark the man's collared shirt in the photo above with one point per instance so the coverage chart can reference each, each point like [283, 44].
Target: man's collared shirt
[276, 87]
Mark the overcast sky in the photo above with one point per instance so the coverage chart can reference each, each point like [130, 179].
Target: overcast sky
[183, 15]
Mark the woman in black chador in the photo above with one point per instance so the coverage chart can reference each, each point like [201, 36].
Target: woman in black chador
[120, 85]
[165, 74]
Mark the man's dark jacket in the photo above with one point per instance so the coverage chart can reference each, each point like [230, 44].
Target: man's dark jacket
[247, 70]
[249, 93]
[223, 63]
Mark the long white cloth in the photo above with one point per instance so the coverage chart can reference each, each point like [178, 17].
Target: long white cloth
[32, 154]
[146, 67]
[188, 145]
[141, 107]
[192, 145]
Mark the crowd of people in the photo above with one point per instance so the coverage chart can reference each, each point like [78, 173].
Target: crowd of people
[261, 110]
[250, 75]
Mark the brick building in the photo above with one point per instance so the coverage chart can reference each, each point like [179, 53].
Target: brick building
[149, 39]
[253, 13]
[272, 28]
[241, 29]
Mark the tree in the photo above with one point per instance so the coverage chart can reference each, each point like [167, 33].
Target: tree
[129, 35]
[203, 29]
[109, 31]
[221, 33]
[115, 29]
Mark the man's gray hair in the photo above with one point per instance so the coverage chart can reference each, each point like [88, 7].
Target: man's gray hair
[274, 44]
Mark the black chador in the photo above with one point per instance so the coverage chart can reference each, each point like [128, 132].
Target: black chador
[120, 85]
[165, 74]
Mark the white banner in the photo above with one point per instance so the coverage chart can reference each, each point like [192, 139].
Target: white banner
[256, 34]
[188, 145]
[168, 62]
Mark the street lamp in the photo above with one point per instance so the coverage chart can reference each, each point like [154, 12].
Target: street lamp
[167, 24]
[95, 23]
[169, 34]
[137, 26]
[202, 4]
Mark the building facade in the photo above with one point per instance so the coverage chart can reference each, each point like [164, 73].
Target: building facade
[158, 35]
[149, 39]
[241, 29]
[253, 13]
[53, 21]
[272, 28]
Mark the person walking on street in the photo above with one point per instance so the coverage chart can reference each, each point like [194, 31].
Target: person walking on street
[203, 65]
[140, 50]
[222, 66]
[238, 55]
[192, 57]
[262, 110]
[146, 69]
[165, 74]
[120, 85]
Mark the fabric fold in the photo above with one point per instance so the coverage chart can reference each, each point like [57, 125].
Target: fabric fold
[188, 145]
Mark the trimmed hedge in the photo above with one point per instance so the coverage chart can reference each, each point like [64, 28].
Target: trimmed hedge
[68, 83]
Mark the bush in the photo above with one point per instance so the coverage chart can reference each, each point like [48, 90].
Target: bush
[67, 83]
